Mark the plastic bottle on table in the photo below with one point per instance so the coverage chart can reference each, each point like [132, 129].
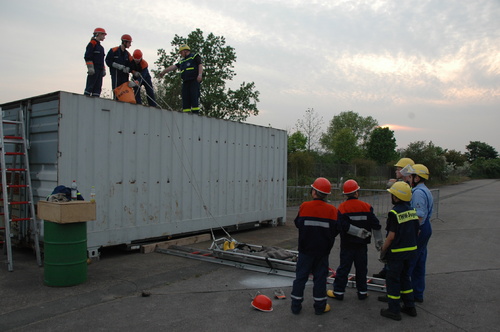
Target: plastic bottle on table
[74, 191]
[92, 194]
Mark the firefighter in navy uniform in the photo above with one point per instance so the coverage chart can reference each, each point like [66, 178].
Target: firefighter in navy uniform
[118, 60]
[94, 59]
[191, 68]
[316, 222]
[398, 252]
[354, 249]
[141, 73]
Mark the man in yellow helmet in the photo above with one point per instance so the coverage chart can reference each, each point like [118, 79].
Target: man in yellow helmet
[398, 252]
[191, 68]
[423, 202]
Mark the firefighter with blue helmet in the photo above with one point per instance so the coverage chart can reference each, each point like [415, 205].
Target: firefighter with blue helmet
[94, 59]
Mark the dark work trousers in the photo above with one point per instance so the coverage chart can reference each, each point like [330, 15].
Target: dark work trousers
[352, 253]
[398, 284]
[191, 96]
[150, 93]
[94, 84]
[318, 266]
[417, 267]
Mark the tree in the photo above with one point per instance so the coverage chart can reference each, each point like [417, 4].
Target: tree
[216, 100]
[478, 149]
[428, 154]
[456, 158]
[344, 145]
[381, 146]
[296, 142]
[310, 125]
[359, 126]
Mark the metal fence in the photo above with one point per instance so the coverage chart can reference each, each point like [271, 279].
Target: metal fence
[379, 199]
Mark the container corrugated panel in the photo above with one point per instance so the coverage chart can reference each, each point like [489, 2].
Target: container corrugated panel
[156, 172]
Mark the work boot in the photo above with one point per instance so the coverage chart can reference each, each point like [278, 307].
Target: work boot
[380, 275]
[419, 300]
[327, 308]
[410, 311]
[338, 297]
[389, 314]
[383, 298]
[296, 308]
[362, 296]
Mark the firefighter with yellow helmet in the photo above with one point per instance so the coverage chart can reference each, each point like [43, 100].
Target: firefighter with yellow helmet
[398, 251]
[402, 163]
[191, 69]
[423, 202]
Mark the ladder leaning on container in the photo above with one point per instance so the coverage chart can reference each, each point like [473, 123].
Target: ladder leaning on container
[17, 194]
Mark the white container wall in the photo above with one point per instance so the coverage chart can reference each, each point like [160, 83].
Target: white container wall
[156, 173]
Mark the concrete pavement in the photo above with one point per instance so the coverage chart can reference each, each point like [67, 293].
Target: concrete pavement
[463, 275]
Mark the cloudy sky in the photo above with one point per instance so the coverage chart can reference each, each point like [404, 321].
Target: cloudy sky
[428, 69]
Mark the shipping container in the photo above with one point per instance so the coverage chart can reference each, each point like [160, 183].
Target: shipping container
[157, 173]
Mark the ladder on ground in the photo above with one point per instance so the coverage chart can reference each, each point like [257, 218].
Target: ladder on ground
[17, 206]
[247, 261]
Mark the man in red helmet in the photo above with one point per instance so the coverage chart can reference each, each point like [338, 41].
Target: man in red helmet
[141, 73]
[94, 59]
[118, 61]
[354, 249]
[317, 224]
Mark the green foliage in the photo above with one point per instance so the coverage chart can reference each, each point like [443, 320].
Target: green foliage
[300, 167]
[218, 62]
[486, 168]
[296, 142]
[360, 127]
[345, 146]
[455, 158]
[478, 149]
[381, 145]
[429, 155]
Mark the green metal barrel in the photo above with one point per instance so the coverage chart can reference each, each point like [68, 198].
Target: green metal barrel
[65, 252]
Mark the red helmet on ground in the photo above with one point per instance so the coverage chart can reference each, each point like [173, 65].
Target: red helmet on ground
[262, 303]
[100, 30]
[126, 38]
[350, 186]
[137, 55]
[322, 185]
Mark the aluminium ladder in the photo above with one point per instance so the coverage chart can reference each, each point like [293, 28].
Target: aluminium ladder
[17, 195]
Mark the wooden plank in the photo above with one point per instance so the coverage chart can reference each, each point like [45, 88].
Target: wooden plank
[149, 248]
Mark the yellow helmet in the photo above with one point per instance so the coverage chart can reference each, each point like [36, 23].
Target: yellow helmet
[401, 190]
[421, 171]
[404, 161]
[184, 47]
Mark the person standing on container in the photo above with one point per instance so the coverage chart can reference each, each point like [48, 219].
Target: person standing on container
[140, 72]
[423, 202]
[94, 59]
[354, 249]
[398, 252]
[191, 68]
[317, 224]
[118, 61]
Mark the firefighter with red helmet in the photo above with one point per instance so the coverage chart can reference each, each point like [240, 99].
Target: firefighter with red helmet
[118, 61]
[141, 73]
[317, 224]
[354, 249]
[94, 59]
